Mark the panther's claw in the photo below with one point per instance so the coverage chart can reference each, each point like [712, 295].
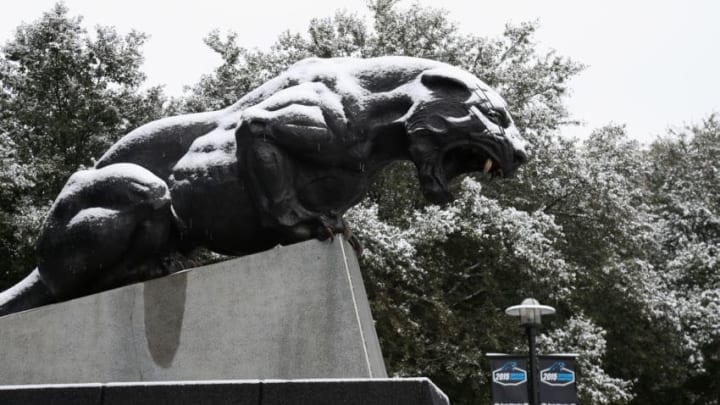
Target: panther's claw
[351, 238]
[356, 244]
[330, 233]
[325, 230]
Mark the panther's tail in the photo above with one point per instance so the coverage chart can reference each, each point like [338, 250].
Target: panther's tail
[30, 292]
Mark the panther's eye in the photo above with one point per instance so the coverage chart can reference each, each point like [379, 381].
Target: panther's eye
[494, 117]
[497, 117]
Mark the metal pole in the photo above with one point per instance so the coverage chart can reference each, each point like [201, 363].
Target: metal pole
[533, 396]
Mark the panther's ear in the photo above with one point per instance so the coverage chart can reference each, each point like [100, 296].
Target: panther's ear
[446, 84]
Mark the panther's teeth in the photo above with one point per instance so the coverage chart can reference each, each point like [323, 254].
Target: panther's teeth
[488, 166]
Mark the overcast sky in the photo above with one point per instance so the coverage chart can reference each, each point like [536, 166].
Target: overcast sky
[651, 64]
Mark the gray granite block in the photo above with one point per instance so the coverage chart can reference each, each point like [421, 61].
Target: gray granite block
[298, 311]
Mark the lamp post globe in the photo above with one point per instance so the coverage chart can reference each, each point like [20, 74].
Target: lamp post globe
[530, 312]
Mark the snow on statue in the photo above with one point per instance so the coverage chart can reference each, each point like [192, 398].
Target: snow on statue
[281, 165]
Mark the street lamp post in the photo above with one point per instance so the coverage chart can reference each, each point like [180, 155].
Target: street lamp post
[530, 313]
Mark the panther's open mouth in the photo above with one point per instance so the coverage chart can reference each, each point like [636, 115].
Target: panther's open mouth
[495, 157]
[471, 158]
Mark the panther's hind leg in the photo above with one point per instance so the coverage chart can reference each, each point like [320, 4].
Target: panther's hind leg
[105, 226]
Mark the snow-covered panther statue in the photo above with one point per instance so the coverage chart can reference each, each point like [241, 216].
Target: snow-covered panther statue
[280, 165]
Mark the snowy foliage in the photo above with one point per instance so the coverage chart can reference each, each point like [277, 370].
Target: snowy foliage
[517, 236]
[13, 173]
[388, 247]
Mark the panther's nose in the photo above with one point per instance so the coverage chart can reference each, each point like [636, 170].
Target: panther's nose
[519, 157]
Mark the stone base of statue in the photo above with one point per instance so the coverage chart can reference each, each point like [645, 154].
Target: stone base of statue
[298, 311]
[287, 326]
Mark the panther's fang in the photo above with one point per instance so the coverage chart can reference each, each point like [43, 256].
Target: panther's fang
[488, 166]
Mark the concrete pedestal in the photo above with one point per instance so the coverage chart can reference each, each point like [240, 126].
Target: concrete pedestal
[295, 312]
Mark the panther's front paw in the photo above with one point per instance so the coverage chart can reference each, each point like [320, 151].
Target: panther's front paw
[333, 224]
[328, 226]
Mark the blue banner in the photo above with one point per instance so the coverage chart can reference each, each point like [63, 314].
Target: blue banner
[509, 380]
[556, 379]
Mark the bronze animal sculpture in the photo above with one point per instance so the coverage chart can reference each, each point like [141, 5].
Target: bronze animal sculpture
[280, 165]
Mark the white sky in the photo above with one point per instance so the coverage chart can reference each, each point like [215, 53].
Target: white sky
[651, 64]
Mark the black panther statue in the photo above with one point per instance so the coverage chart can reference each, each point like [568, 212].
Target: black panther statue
[281, 165]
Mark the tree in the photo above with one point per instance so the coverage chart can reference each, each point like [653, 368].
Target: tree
[65, 97]
[16, 181]
[684, 180]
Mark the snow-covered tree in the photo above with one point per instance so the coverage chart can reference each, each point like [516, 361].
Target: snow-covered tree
[685, 184]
